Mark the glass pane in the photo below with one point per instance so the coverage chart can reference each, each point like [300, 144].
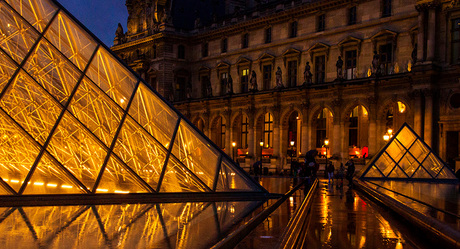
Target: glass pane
[112, 77]
[373, 172]
[96, 111]
[16, 35]
[141, 152]
[49, 178]
[222, 180]
[395, 150]
[53, 71]
[3, 191]
[47, 221]
[36, 12]
[409, 164]
[7, 68]
[235, 179]
[31, 107]
[432, 165]
[71, 40]
[406, 137]
[77, 150]
[116, 179]
[154, 115]
[421, 173]
[385, 164]
[445, 173]
[178, 179]
[196, 153]
[17, 154]
[419, 150]
[231, 212]
[397, 173]
[19, 234]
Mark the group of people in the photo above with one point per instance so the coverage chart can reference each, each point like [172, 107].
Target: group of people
[330, 169]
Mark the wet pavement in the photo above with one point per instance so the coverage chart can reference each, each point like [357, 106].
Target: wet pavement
[342, 218]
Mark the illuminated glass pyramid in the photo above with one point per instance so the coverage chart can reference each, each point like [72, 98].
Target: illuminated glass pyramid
[74, 119]
[406, 157]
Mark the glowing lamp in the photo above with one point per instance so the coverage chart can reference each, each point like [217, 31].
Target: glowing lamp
[292, 143]
[326, 142]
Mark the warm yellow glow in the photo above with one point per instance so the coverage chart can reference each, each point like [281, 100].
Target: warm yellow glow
[51, 185]
[390, 131]
[292, 143]
[234, 144]
[401, 107]
[121, 192]
[386, 137]
[261, 144]
[15, 181]
[66, 186]
[365, 113]
[326, 142]
[409, 66]
[369, 72]
[39, 183]
[102, 190]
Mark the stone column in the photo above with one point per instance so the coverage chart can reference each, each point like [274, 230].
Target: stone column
[228, 140]
[431, 42]
[343, 143]
[418, 118]
[305, 139]
[421, 36]
[276, 144]
[428, 129]
[373, 135]
[336, 148]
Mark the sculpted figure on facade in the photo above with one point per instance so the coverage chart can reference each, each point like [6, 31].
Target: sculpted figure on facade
[279, 78]
[253, 81]
[119, 35]
[376, 64]
[339, 66]
[307, 75]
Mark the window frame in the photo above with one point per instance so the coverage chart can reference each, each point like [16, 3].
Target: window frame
[321, 22]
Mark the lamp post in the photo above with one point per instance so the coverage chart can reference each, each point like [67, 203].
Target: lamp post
[326, 143]
[233, 150]
[292, 149]
[261, 146]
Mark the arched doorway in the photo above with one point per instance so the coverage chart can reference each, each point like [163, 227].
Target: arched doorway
[322, 124]
[293, 142]
[357, 131]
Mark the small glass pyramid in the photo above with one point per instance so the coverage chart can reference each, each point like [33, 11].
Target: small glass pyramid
[406, 157]
[75, 119]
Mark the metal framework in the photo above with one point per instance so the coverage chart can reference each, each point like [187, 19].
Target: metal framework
[407, 157]
[75, 120]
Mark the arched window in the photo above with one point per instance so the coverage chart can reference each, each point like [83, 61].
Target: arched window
[268, 130]
[244, 132]
[353, 128]
[321, 128]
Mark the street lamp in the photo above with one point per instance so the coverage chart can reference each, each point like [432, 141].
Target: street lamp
[261, 146]
[291, 150]
[326, 143]
[233, 150]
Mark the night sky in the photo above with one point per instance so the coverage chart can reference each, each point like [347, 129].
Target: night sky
[99, 16]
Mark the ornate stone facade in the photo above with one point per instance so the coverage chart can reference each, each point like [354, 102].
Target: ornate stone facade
[412, 77]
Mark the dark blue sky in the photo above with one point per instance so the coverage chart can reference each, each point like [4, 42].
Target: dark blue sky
[99, 16]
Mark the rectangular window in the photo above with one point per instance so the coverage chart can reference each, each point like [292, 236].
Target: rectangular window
[244, 132]
[352, 15]
[292, 74]
[350, 64]
[293, 30]
[222, 134]
[181, 52]
[245, 80]
[455, 41]
[386, 8]
[224, 45]
[321, 23]
[386, 57]
[267, 76]
[204, 85]
[204, 50]
[268, 35]
[320, 69]
[268, 130]
[245, 41]
[179, 93]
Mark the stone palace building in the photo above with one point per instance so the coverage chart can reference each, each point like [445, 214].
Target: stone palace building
[278, 77]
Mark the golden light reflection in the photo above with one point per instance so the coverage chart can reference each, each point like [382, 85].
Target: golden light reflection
[401, 107]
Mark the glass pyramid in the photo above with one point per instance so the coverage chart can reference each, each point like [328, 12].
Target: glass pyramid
[406, 157]
[75, 119]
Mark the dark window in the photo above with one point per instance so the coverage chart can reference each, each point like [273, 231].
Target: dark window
[455, 100]
[181, 52]
[245, 41]
[268, 35]
[386, 8]
[455, 41]
[293, 30]
[267, 76]
[320, 68]
[386, 57]
[268, 130]
[154, 51]
[204, 85]
[244, 132]
[245, 80]
[224, 45]
[350, 64]
[321, 128]
[352, 15]
[353, 128]
[205, 50]
[179, 93]
[222, 133]
[292, 74]
[321, 23]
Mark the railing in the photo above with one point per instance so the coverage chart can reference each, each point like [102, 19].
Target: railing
[294, 235]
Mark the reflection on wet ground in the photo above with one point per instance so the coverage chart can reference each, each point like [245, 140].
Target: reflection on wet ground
[341, 218]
